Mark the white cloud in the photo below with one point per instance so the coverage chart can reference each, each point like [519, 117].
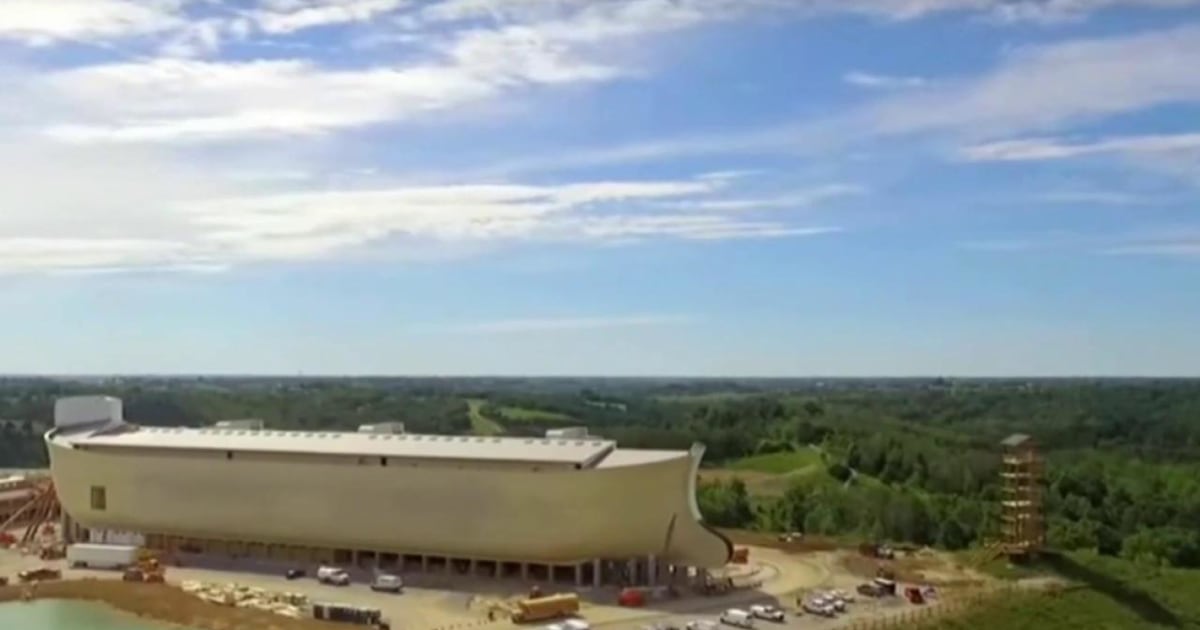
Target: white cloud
[795, 199]
[1043, 87]
[1172, 242]
[1028, 149]
[1057, 11]
[292, 17]
[551, 324]
[39, 254]
[175, 99]
[1039, 11]
[633, 228]
[1176, 249]
[729, 175]
[1096, 197]
[192, 100]
[39, 22]
[880, 81]
[89, 209]
[1091, 78]
[309, 225]
[538, 43]
[198, 38]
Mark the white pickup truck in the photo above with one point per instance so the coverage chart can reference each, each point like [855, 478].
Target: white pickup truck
[333, 575]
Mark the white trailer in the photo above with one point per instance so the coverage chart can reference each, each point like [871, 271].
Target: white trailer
[92, 556]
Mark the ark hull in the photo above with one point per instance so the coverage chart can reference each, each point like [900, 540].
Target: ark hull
[518, 513]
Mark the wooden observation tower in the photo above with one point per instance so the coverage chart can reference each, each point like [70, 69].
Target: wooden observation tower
[1021, 511]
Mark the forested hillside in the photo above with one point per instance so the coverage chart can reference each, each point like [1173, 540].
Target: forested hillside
[904, 460]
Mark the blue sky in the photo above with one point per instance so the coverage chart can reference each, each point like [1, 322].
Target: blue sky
[621, 187]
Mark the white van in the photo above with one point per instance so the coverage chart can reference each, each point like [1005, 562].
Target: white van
[333, 575]
[737, 617]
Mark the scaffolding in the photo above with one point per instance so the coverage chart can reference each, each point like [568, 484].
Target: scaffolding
[1021, 511]
[37, 515]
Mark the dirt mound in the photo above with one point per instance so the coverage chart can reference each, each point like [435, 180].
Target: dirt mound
[927, 567]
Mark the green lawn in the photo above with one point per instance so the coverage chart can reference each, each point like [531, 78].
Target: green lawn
[481, 424]
[525, 414]
[802, 461]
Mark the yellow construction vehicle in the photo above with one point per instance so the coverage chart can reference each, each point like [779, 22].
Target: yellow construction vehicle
[546, 607]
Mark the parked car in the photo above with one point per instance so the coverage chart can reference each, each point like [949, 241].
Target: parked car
[737, 617]
[333, 575]
[294, 574]
[769, 613]
[819, 606]
[843, 595]
[700, 624]
[387, 583]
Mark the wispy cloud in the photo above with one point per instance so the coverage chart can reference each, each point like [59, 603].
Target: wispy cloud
[1156, 68]
[795, 199]
[1028, 149]
[172, 223]
[563, 324]
[1170, 241]
[298, 16]
[1051, 12]
[880, 81]
[1097, 197]
[729, 175]
[1173, 242]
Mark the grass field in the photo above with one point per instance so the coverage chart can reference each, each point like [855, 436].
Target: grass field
[1106, 593]
[771, 474]
[481, 424]
[525, 414]
[792, 462]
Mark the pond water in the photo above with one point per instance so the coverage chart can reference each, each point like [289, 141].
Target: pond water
[52, 614]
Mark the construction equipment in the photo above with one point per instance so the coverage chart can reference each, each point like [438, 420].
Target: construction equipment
[877, 550]
[716, 586]
[52, 552]
[38, 512]
[148, 569]
[870, 589]
[548, 607]
[40, 574]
